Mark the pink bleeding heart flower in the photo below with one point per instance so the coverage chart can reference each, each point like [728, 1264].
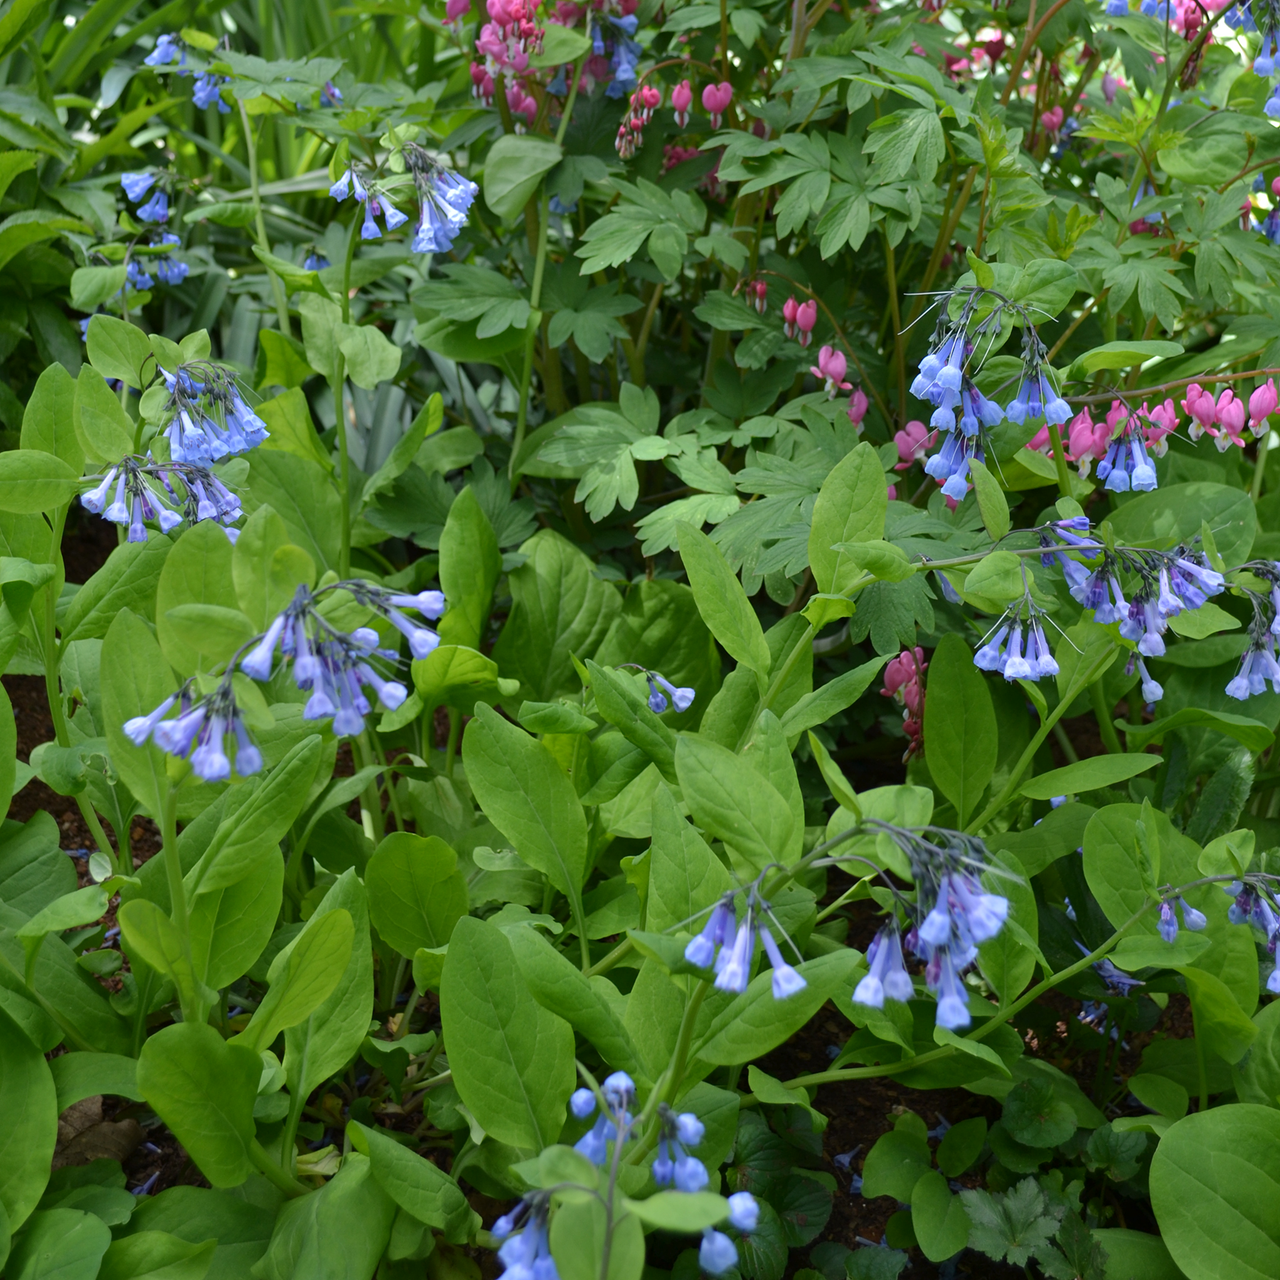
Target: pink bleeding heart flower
[681, 101]
[1117, 415]
[1262, 404]
[1231, 413]
[1040, 441]
[1111, 85]
[790, 309]
[1052, 119]
[1159, 423]
[914, 442]
[715, 101]
[892, 491]
[806, 318]
[1199, 404]
[831, 366]
[455, 9]
[857, 408]
[1275, 186]
[650, 98]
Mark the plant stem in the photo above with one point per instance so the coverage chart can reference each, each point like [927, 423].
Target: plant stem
[337, 384]
[899, 338]
[273, 1173]
[801, 645]
[1060, 460]
[1077, 685]
[675, 1072]
[1110, 739]
[530, 334]
[260, 223]
[1260, 467]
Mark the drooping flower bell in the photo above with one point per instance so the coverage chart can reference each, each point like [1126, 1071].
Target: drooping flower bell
[673, 1165]
[660, 689]
[614, 1122]
[525, 1252]
[208, 417]
[135, 492]
[201, 732]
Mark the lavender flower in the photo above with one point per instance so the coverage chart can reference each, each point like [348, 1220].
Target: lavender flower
[681, 699]
[156, 209]
[146, 491]
[209, 418]
[136, 185]
[526, 1255]
[613, 1124]
[201, 732]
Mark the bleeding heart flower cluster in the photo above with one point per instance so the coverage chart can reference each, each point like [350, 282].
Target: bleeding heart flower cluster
[644, 102]
[137, 491]
[208, 418]
[732, 960]
[798, 319]
[903, 681]
[950, 918]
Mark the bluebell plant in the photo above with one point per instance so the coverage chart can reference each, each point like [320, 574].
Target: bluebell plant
[732, 960]
[208, 418]
[138, 491]
[334, 667]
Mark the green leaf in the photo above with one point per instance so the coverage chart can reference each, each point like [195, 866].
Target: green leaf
[561, 45]
[135, 680]
[32, 481]
[416, 893]
[959, 727]
[938, 1218]
[991, 501]
[902, 138]
[1215, 1189]
[1035, 1117]
[850, 507]
[559, 608]
[128, 580]
[302, 976]
[1088, 775]
[961, 1145]
[213, 630]
[577, 1243]
[685, 877]
[255, 829]
[754, 1022]
[327, 1040]
[1252, 733]
[31, 1129]
[512, 1060]
[284, 362]
[371, 356]
[60, 1244]
[622, 704]
[1222, 1026]
[196, 571]
[736, 804]
[203, 1088]
[513, 168]
[469, 568]
[298, 489]
[77, 1076]
[147, 933]
[118, 350]
[722, 602]
[105, 431]
[682, 1211]
[48, 420]
[156, 1255]
[337, 1233]
[895, 1164]
[415, 1184]
[525, 794]
[1177, 512]
[1120, 355]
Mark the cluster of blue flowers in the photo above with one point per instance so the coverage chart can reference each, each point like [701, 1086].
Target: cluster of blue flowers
[1241, 17]
[1167, 927]
[446, 200]
[951, 917]
[134, 492]
[1002, 647]
[732, 961]
[375, 203]
[136, 185]
[1255, 905]
[334, 667]
[660, 689]
[961, 412]
[623, 49]
[1170, 582]
[208, 417]
[207, 89]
